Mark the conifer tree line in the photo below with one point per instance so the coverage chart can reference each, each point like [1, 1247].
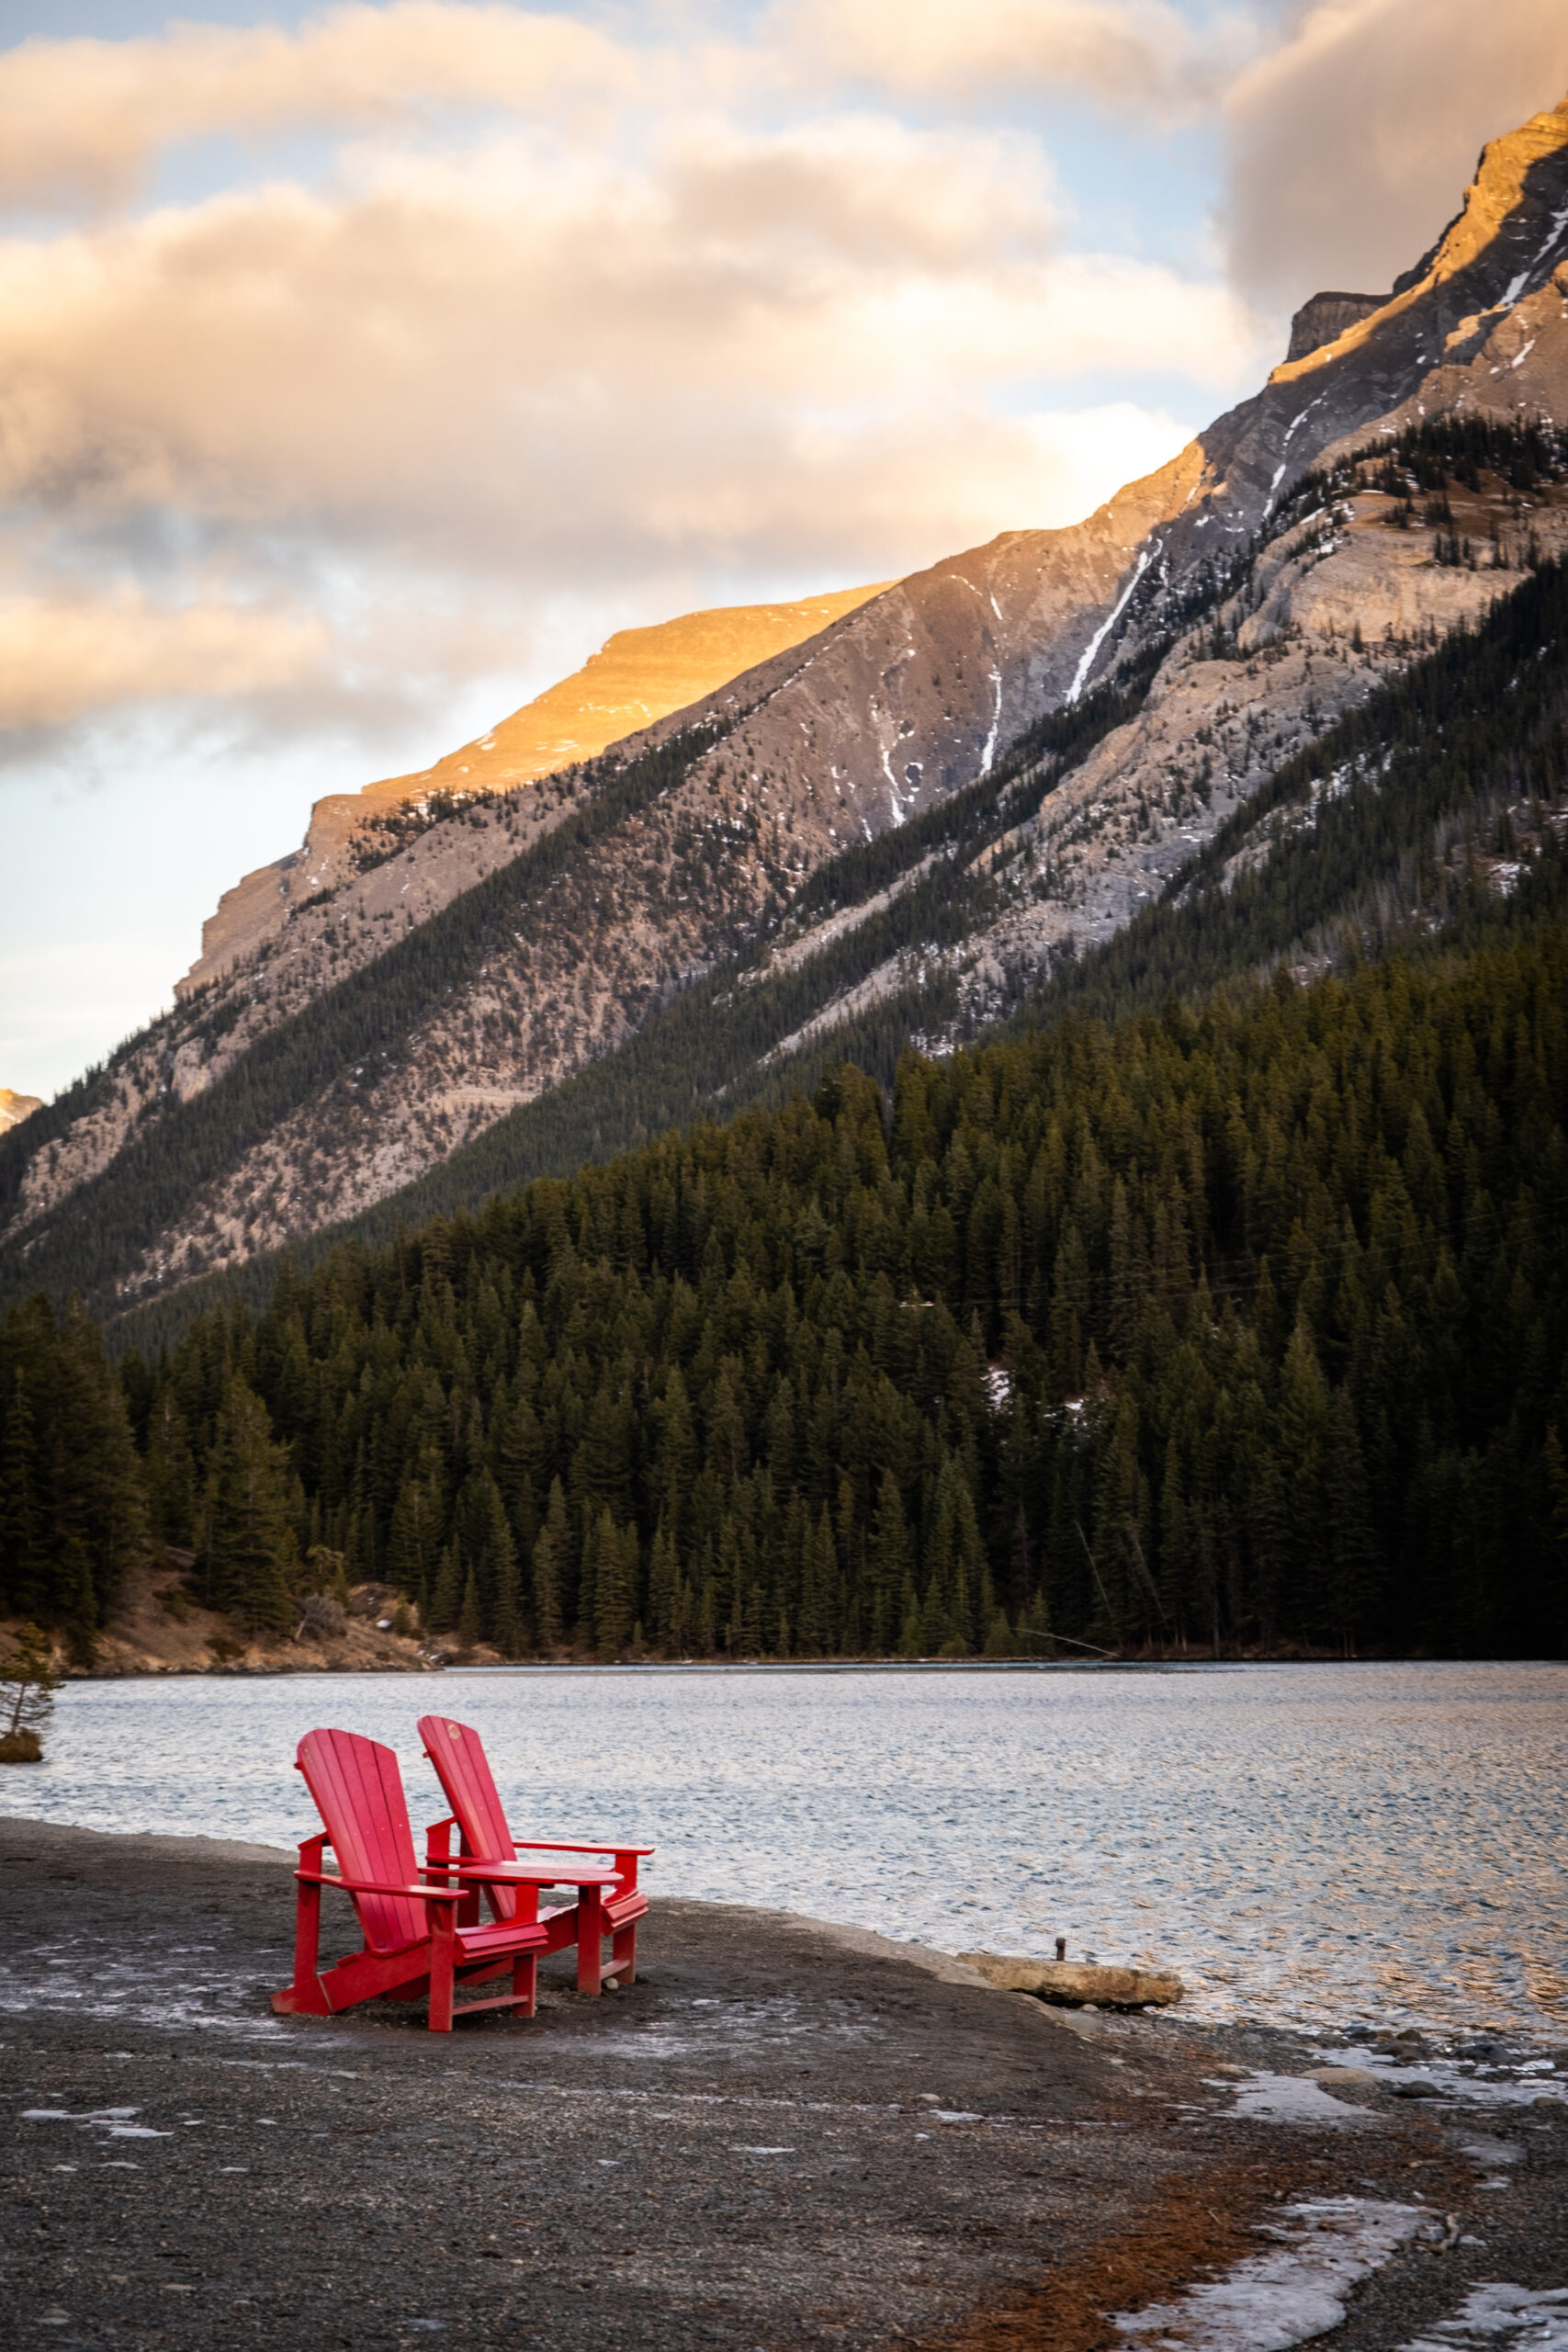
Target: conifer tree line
[1242, 1329]
[73, 1513]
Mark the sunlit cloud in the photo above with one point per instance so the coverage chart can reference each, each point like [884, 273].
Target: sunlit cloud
[61, 656]
[1351, 138]
[82, 122]
[835, 349]
[1130, 56]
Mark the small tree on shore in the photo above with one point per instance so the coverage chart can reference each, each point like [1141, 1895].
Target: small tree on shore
[28, 1684]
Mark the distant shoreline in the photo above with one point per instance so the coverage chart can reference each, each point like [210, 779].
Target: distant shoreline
[242, 1673]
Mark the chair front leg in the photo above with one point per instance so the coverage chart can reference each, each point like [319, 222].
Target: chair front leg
[589, 1936]
[623, 1950]
[623, 1944]
[309, 1999]
[525, 1981]
[442, 1966]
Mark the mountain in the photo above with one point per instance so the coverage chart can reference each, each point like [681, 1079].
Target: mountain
[1207, 1314]
[955, 789]
[14, 1108]
[639, 675]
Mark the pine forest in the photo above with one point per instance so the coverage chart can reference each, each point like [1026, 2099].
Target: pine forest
[1228, 1331]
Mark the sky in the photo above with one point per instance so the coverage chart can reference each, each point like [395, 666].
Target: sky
[363, 367]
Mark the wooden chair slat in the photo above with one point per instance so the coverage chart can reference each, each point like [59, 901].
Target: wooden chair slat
[359, 1792]
[463, 1770]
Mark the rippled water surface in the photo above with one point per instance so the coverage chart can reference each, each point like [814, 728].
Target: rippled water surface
[1314, 1843]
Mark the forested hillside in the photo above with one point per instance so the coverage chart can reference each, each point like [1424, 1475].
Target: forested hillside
[1236, 1329]
[1221, 1306]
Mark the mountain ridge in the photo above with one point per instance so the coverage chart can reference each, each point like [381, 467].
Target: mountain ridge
[1272, 621]
[1374, 837]
[637, 675]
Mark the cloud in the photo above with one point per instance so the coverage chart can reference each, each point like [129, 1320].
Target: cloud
[1134, 56]
[835, 349]
[81, 122]
[63, 656]
[1351, 141]
[358, 377]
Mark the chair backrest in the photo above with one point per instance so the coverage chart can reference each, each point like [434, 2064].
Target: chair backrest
[359, 1795]
[463, 1770]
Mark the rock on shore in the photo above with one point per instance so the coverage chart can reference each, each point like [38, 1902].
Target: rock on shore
[1078, 1983]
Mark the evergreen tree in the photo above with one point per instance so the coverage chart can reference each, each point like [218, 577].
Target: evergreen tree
[23, 1570]
[447, 1599]
[470, 1621]
[486, 1542]
[547, 1571]
[172, 1487]
[249, 1551]
[413, 1546]
[613, 1586]
[888, 1564]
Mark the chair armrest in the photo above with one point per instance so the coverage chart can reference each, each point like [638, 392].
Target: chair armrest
[528, 1873]
[379, 1886]
[576, 1846]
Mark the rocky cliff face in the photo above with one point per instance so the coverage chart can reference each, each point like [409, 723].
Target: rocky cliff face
[641, 675]
[1267, 622]
[1326, 317]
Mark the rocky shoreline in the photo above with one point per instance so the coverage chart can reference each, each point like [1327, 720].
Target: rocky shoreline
[785, 2134]
[159, 1626]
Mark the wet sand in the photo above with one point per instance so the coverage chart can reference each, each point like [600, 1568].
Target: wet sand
[783, 2134]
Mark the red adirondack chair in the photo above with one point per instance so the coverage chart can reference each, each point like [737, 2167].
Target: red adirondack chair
[489, 1855]
[415, 1940]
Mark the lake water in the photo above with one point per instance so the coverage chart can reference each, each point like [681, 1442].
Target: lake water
[1313, 1845]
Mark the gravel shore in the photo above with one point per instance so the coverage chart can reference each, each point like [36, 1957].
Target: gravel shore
[785, 2134]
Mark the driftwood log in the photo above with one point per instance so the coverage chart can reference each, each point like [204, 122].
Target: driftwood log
[1078, 1985]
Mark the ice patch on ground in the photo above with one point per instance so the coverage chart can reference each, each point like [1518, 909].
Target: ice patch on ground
[176, 1987]
[112, 2121]
[1504, 2317]
[1272, 2301]
[1515, 2084]
[1289, 2098]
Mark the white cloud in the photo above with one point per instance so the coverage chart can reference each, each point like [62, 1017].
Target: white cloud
[805, 349]
[83, 120]
[1134, 56]
[1352, 139]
